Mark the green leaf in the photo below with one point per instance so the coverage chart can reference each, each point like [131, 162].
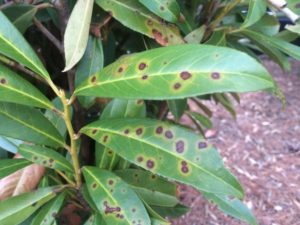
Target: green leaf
[232, 207]
[8, 166]
[153, 189]
[77, 32]
[28, 124]
[257, 8]
[178, 72]
[218, 38]
[47, 214]
[203, 120]
[95, 219]
[115, 200]
[293, 28]
[287, 48]
[172, 212]
[177, 107]
[16, 209]
[226, 103]
[134, 15]
[159, 222]
[91, 62]
[169, 10]
[9, 144]
[13, 45]
[154, 144]
[21, 15]
[15, 89]
[268, 25]
[45, 157]
[196, 36]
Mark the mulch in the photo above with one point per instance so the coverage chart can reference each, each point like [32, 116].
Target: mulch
[262, 148]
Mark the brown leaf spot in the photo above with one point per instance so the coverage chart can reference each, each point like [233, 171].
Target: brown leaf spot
[180, 146]
[139, 131]
[94, 131]
[149, 22]
[35, 158]
[202, 145]
[140, 159]
[159, 37]
[121, 69]
[110, 182]
[109, 209]
[159, 130]
[177, 86]
[126, 131]
[215, 75]
[162, 8]
[185, 169]
[51, 160]
[140, 102]
[169, 134]
[105, 138]
[3, 81]
[94, 185]
[150, 164]
[93, 79]
[144, 77]
[183, 163]
[185, 75]
[142, 66]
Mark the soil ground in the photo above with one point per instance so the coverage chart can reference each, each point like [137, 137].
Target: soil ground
[262, 148]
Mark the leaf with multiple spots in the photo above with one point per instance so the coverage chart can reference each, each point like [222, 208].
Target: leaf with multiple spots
[177, 72]
[167, 150]
[232, 207]
[153, 189]
[45, 157]
[28, 124]
[17, 209]
[15, 89]
[13, 45]
[134, 15]
[115, 200]
[257, 8]
[47, 215]
[8, 166]
[169, 10]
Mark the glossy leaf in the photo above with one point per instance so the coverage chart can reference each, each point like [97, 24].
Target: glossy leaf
[45, 157]
[178, 72]
[169, 10]
[91, 62]
[15, 89]
[134, 15]
[152, 189]
[20, 15]
[28, 124]
[167, 150]
[257, 8]
[13, 45]
[16, 209]
[287, 48]
[77, 32]
[9, 144]
[47, 215]
[8, 166]
[232, 207]
[115, 200]
[177, 107]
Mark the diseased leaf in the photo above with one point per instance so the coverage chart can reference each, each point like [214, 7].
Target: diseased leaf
[20, 15]
[13, 45]
[178, 72]
[232, 207]
[16, 209]
[28, 124]
[15, 89]
[8, 166]
[134, 15]
[115, 200]
[45, 157]
[167, 150]
[77, 32]
[169, 10]
[257, 8]
[47, 214]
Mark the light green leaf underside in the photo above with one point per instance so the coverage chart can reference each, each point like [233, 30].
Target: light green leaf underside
[257, 8]
[232, 207]
[134, 15]
[15, 89]
[166, 9]
[167, 150]
[45, 157]
[16, 209]
[28, 124]
[8, 166]
[77, 32]
[178, 72]
[293, 28]
[13, 45]
[115, 200]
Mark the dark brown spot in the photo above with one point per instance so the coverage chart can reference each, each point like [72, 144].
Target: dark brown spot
[44, 162]
[185, 75]
[3, 81]
[159, 130]
[120, 70]
[144, 77]
[94, 131]
[140, 102]
[169, 134]
[109, 209]
[215, 75]
[110, 152]
[139, 131]
[110, 182]
[159, 37]
[121, 217]
[126, 131]
[177, 86]
[140, 159]
[51, 160]
[94, 185]
[135, 175]
[185, 169]
[153, 176]
[180, 146]
[35, 158]
[202, 145]
[105, 138]
[183, 163]
[149, 22]
[142, 66]
[150, 164]
[162, 8]
[93, 79]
